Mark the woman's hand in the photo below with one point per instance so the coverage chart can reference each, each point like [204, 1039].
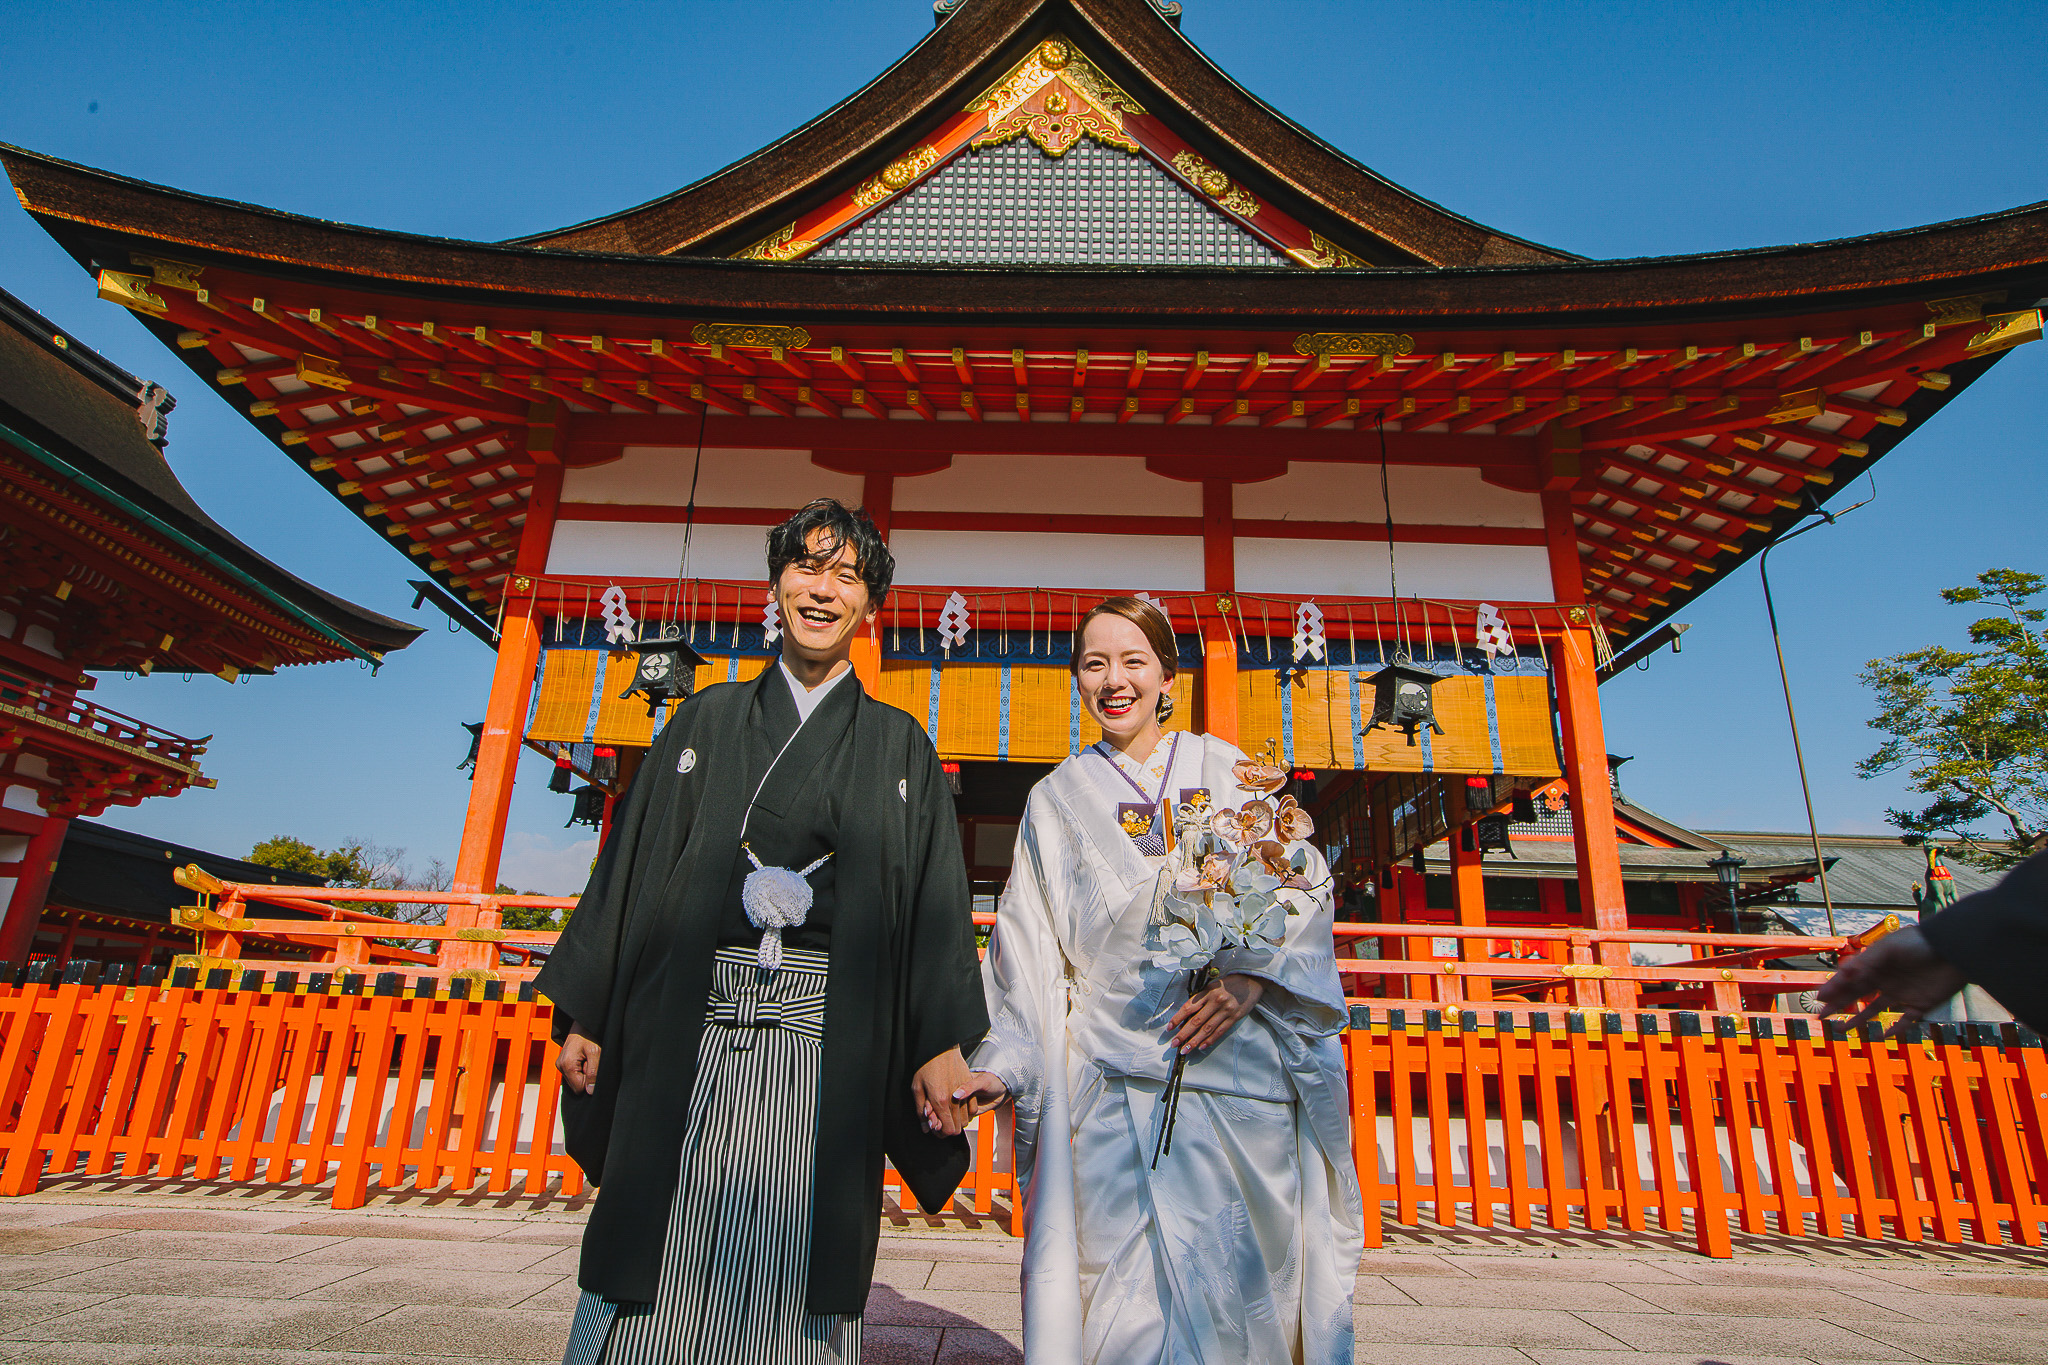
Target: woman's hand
[1207, 1017]
[577, 1061]
[987, 1092]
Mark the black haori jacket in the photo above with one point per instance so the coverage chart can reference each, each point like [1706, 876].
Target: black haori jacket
[633, 969]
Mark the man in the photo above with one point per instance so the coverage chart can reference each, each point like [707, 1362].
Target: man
[763, 991]
[1996, 938]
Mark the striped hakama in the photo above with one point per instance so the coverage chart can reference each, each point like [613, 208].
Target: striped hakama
[736, 1260]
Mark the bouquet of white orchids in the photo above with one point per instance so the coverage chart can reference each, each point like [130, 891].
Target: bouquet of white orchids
[1227, 875]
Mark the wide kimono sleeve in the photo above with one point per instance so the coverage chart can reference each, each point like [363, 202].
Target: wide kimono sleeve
[1998, 938]
[943, 1007]
[1024, 974]
[1304, 992]
[648, 827]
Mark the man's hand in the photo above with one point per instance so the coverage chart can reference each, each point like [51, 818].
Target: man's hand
[577, 1061]
[987, 1092]
[1207, 1017]
[933, 1089]
[1898, 972]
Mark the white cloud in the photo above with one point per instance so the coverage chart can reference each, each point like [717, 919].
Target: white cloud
[537, 863]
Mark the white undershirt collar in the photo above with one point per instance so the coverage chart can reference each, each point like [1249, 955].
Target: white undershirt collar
[807, 698]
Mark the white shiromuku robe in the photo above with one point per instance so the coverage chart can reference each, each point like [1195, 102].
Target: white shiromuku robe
[1243, 1246]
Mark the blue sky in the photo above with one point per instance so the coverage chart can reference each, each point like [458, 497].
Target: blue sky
[1606, 129]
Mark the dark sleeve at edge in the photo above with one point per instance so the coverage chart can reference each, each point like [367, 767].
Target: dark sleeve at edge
[1998, 938]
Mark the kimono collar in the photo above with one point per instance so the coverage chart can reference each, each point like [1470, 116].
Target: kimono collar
[1092, 788]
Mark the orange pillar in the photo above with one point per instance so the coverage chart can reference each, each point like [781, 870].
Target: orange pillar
[1219, 575]
[1577, 685]
[1468, 900]
[490, 791]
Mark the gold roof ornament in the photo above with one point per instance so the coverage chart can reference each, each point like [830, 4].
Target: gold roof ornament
[1055, 97]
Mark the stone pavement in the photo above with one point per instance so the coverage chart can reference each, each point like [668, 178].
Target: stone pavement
[175, 1273]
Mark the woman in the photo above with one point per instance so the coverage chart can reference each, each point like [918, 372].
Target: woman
[1240, 1242]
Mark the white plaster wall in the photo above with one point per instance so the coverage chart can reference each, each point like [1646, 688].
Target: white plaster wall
[22, 798]
[660, 475]
[1049, 483]
[1422, 495]
[638, 549]
[1014, 559]
[1350, 568]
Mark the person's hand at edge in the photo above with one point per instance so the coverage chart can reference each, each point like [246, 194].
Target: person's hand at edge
[1901, 971]
[577, 1061]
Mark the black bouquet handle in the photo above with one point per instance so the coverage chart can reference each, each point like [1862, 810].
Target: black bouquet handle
[1199, 980]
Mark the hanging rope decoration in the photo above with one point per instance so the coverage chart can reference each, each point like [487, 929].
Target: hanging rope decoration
[618, 622]
[953, 623]
[1603, 648]
[1309, 640]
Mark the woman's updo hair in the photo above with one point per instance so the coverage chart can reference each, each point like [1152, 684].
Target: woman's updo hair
[1158, 634]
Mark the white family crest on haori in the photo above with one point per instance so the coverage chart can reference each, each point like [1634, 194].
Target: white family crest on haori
[1308, 632]
[771, 621]
[953, 624]
[775, 898]
[1492, 631]
[619, 625]
[687, 761]
[903, 790]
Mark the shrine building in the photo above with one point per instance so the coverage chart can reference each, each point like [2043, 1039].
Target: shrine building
[108, 565]
[1073, 314]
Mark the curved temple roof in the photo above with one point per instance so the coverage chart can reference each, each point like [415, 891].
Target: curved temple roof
[77, 408]
[1684, 403]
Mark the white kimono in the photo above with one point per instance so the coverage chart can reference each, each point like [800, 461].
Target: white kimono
[1242, 1247]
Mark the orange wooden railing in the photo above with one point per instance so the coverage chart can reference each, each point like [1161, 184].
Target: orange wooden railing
[1535, 1111]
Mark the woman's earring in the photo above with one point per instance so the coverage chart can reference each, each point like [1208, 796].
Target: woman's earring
[1164, 710]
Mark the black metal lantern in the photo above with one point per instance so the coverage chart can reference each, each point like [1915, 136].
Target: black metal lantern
[1490, 832]
[664, 673]
[1728, 868]
[589, 808]
[1400, 698]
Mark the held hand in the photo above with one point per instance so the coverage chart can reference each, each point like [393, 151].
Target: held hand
[1898, 972]
[1207, 1017]
[577, 1061]
[986, 1093]
[932, 1090]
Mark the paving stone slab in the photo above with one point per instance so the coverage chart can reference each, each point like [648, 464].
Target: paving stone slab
[995, 1276]
[34, 1241]
[1982, 1343]
[1766, 1301]
[1545, 1357]
[1520, 1328]
[883, 1344]
[1961, 1309]
[945, 1308]
[901, 1274]
[980, 1346]
[211, 1321]
[394, 1251]
[411, 1227]
[1381, 1353]
[492, 1333]
[192, 1220]
[19, 1272]
[1710, 1334]
[1566, 1295]
[200, 1246]
[2028, 1284]
[184, 1277]
[1598, 1269]
[455, 1285]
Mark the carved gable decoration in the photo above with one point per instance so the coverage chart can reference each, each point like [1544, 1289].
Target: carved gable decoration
[1055, 97]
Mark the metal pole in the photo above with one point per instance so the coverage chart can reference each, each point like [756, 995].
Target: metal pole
[1799, 756]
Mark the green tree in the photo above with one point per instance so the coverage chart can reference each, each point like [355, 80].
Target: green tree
[529, 916]
[1969, 727]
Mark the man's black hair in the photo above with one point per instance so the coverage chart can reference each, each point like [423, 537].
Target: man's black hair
[842, 525]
